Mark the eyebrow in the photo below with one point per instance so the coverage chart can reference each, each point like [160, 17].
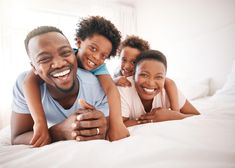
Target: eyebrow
[59, 49]
[94, 43]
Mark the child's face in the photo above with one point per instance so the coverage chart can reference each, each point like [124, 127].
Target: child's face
[93, 51]
[149, 78]
[128, 56]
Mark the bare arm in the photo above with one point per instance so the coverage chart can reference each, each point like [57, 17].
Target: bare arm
[122, 81]
[189, 109]
[172, 93]
[21, 128]
[130, 122]
[162, 114]
[33, 97]
[117, 130]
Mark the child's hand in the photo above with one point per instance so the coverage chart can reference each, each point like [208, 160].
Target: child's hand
[85, 105]
[123, 81]
[41, 135]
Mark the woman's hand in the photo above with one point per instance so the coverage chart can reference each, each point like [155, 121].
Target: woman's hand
[160, 114]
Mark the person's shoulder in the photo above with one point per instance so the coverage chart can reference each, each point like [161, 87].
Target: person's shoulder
[86, 76]
[128, 91]
[21, 77]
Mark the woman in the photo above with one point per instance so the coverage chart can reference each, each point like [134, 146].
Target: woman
[146, 100]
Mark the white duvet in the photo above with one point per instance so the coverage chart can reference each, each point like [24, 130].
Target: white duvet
[202, 141]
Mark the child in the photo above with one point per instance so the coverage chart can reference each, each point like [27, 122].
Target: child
[146, 100]
[97, 39]
[129, 50]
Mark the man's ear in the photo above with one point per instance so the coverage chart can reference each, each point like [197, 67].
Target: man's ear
[33, 68]
[78, 42]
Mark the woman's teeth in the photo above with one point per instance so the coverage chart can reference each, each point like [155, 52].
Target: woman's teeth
[63, 73]
[149, 90]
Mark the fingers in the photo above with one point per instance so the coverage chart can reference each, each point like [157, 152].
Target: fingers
[40, 139]
[35, 138]
[88, 132]
[89, 115]
[87, 124]
[85, 105]
[83, 138]
[147, 116]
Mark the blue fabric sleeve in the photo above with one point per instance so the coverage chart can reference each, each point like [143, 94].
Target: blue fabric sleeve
[19, 103]
[101, 70]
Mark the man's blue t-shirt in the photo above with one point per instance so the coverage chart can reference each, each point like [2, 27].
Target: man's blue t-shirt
[89, 90]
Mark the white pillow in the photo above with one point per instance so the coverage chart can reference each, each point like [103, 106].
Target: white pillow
[194, 89]
[229, 86]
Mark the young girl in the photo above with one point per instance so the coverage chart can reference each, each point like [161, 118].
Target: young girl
[97, 39]
[146, 100]
[129, 50]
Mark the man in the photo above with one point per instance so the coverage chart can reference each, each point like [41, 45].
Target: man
[53, 60]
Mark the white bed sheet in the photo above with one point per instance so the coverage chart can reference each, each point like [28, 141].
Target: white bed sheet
[205, 141]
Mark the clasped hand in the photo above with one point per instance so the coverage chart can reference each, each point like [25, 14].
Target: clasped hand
[155, 115]
[85, 124]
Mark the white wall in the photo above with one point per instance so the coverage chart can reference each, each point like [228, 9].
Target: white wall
[19, 17]
[197, 36]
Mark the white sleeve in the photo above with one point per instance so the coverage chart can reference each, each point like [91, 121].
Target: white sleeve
[125, 102]
[181, 98]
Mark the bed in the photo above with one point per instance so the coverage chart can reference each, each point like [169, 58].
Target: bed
[207, 141]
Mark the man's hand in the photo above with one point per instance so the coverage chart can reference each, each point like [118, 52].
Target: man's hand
[89, 125]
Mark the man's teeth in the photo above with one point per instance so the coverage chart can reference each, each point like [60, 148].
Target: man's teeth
[148, 90]
[91, 63]
[63, 73]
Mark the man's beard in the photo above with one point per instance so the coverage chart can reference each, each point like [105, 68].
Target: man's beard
[66, 90]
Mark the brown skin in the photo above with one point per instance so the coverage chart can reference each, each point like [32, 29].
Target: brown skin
[128, 56]
[149, 81]
[91, 54]
[92, 51]
[51, 53]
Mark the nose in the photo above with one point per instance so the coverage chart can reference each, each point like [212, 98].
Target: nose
[58, 62]
[151, 83]
[127, 66]
[96, 56]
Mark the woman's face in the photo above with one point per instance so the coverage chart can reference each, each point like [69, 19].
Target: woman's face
[149, 78]
[128, 56]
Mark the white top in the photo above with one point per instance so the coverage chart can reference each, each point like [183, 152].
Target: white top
[132, 106]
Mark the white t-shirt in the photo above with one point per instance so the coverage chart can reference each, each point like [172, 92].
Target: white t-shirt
[132, 106]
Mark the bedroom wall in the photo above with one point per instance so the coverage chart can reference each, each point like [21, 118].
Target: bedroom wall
[197, 36]
[19, 17]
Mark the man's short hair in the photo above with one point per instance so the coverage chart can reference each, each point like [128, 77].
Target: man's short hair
[90, 26]
[38, 31]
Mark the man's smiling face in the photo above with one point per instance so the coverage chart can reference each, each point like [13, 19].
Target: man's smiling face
[53, 60]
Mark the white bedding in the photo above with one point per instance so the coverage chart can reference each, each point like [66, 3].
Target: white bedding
[202, 141]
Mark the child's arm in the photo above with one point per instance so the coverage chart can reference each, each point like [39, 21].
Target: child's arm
[122, 81]
[171, 90]
[33, 99]
[117, 129]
